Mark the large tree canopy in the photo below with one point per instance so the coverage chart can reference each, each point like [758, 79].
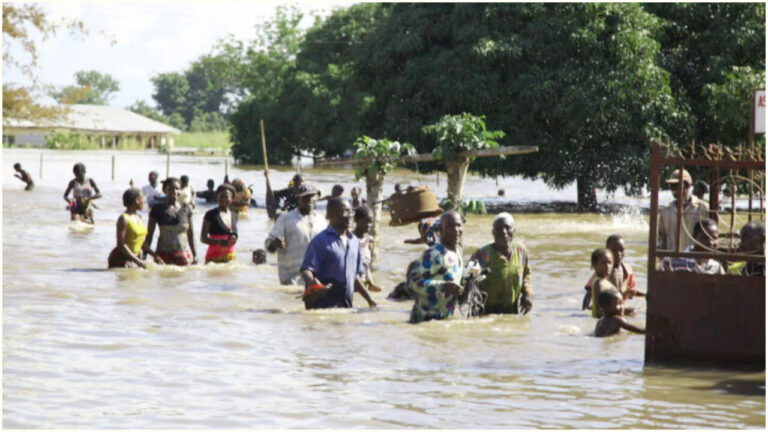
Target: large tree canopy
[590, 84]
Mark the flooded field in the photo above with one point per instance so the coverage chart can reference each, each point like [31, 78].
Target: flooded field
[225, 346]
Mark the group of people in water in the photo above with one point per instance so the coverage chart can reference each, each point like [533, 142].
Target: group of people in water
[331, 256]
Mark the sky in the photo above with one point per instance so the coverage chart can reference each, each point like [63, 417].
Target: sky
[150, 37]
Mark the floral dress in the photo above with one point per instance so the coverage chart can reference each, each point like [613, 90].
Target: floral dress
[428, 274]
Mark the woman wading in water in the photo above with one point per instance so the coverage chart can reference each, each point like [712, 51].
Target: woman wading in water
[131, 233]
[220, 228]
[174, 220]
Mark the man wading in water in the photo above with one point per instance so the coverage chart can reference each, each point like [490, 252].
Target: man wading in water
[332, 264]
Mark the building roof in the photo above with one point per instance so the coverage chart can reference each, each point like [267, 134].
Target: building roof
[97, 118]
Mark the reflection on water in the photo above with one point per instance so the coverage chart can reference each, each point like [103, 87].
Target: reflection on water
[225, 346]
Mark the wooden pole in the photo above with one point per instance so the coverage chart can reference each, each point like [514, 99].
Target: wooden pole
[653, 232]
[168, 165]
[270, 201]
[751, 154]
[41, 165]
[226, 167]
[113, 167]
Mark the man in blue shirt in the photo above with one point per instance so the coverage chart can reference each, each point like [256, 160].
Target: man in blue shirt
[332, 266]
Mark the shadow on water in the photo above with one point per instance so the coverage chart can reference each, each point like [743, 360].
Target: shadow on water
[742, 387]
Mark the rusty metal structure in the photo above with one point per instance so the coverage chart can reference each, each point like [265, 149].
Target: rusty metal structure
[692, 317]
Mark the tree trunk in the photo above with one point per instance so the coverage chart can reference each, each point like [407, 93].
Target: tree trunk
[457, 174]
[587, 194]
[374, 186]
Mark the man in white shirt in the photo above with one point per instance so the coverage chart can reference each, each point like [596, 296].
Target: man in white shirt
[292, 233]
[694, 210]
[151, 191]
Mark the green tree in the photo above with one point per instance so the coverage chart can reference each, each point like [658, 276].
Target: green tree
[701, 44]
[578, 80]
[322, 99]
[171, 91]
[729, 105]
[264, 65]
[92, 87]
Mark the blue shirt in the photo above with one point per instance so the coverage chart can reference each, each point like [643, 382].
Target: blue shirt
[334, 264]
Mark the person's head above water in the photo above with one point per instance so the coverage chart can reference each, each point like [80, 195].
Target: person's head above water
[79, 170]
[451, 229]
[674, 180]
[171, 188]
[609, 302]
[297, 181]
[184, 180]
[363, 219]
[503, 229]
[17, 166]
[615, 243]
[753, 238]
[132, 196]
[700, 188]
[153, 176]
[337, 190]
[705, 234]
[210, 184]
[224, 195]
[307, 196]
[602, 262]
[339, 214]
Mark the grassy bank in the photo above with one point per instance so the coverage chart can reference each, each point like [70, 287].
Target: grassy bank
[203, 140]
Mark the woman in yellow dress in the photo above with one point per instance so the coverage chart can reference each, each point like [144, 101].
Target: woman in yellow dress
[131, 233]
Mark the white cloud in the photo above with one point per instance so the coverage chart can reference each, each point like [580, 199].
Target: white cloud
[152, 37]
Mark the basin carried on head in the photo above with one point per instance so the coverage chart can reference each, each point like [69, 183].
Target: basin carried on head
[416, 203]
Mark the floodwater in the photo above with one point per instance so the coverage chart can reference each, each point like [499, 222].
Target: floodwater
[225, 346]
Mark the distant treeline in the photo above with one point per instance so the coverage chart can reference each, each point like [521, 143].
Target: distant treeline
[590, 84]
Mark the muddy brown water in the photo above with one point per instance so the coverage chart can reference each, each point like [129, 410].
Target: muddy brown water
[225, 346]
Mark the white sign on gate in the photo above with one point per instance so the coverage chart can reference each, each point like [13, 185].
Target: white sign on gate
[758, 109]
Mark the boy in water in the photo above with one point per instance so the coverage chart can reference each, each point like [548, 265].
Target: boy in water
[612, 321]
[602, 262]
[621, 275]
[23, 176]
[752, 242]
[705, 234]
[363, 222]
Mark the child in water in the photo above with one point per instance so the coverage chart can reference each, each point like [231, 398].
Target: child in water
[612, 322]
[84, 190]
[23, 176]
[602, 262]
[621, 276]
[259, 256]
[363, 222]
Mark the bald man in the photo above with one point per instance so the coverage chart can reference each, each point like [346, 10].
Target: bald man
[508, 283]
[435, 278]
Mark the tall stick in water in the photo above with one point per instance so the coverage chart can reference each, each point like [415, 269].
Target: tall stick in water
[270, 197]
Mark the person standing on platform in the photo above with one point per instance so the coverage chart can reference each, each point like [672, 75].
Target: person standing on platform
[694, 209]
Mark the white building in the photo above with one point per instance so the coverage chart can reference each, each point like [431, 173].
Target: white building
[100, 125]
